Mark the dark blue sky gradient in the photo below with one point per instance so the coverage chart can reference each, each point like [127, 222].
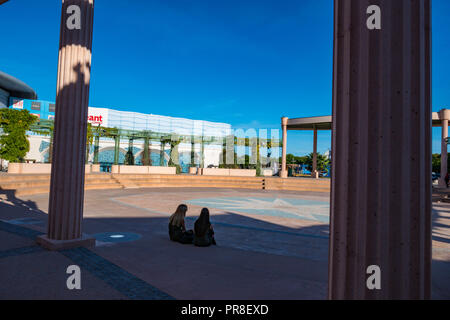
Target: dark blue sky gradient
[242, 62]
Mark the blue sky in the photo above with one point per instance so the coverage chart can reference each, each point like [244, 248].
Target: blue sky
[244, 62]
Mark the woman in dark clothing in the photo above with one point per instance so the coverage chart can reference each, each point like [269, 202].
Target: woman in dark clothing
[203, 230]
[177, 228]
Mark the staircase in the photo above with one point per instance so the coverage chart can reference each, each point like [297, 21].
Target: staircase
[298, 184]
[30, 184]
[188, 181]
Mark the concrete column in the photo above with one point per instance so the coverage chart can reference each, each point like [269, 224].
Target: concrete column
[72, 95]
[96, 148]
[381, 176]
[192, 151]
[224, 150]
[88, 150]
[258, 154]
[444, 152]
[50, 147]
[174, 154]
[283, 173]
[146, 156]
[202, 164]
[315, 173]
[129, 157]
[116, 149]
[161, 154]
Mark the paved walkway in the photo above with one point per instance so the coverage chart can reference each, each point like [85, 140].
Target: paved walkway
[271, 245]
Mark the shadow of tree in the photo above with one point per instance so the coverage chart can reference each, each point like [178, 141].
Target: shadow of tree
[12, 207]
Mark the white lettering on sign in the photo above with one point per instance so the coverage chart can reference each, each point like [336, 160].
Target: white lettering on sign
[74, 281]
[374, 281]
[95, 119]
[98, 116]
[74, 20]
[374, 21]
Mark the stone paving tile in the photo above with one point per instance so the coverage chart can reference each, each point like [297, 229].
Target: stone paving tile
[42, 275]
[264, 257]
[20, 251]
[19, 230]
[10, 241]
[121, 280]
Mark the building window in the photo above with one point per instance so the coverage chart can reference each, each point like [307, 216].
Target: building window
[51, 107]
[36, 106]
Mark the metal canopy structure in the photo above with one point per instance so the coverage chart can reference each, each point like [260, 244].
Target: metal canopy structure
[318, 123]
[46, 127]
[326, 122]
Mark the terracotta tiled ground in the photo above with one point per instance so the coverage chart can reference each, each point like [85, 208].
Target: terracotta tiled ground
[276, 252]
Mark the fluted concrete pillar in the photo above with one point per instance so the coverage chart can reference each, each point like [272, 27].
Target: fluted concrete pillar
[381, 177]
[69, 150]
[445, 115]
[283, 173]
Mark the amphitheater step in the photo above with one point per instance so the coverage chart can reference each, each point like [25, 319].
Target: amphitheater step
[40, 183]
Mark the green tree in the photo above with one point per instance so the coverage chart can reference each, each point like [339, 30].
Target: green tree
[322, 162]
[89, 140]
[129, 158]
[436, 162]
[291, 159]
[14, 144]
[174, 155]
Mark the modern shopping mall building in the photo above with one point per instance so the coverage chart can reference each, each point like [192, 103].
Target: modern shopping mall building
[132, 121]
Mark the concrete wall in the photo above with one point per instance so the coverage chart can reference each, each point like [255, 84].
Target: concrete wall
[29, 168]
[42, 168]
[228, 172]
[122, 169]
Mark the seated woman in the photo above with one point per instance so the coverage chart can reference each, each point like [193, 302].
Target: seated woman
[177, 229]
[204, 233]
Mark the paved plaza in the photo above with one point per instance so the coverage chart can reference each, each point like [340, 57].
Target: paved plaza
[271, 245]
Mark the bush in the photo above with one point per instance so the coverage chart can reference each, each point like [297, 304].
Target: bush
[14, 144]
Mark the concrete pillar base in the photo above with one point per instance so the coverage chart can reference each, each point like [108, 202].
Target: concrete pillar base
[283, 174]
[193, 170]
[55, 245]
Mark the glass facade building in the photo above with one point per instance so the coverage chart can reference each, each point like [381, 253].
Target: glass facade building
[111, 118]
